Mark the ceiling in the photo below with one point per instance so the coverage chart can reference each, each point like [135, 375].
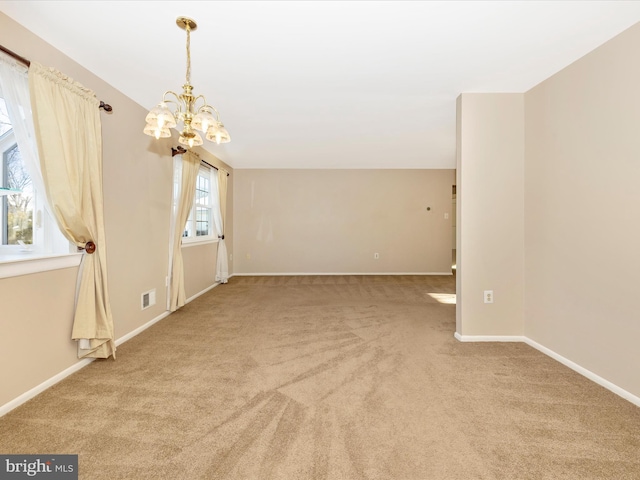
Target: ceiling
[335, 84]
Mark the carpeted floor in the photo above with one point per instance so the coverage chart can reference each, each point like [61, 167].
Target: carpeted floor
[341, 377]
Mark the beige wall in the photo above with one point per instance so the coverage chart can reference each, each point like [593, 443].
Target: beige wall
[35, 325]
[490, 199]
[564, 255]
[199, 265]
[333, 221]
[137, 174]
[581, 208]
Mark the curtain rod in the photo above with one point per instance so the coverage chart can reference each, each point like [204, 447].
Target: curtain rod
[24, 61]
[180, 150]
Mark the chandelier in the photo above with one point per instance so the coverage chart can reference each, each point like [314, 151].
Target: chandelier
[185, 108]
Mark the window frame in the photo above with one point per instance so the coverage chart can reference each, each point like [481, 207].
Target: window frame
[212, 237]
[49, 249]
[7, 145]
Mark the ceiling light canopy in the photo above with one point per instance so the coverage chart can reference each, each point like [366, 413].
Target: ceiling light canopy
[194, 113]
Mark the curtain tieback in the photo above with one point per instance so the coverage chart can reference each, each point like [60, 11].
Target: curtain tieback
[221, 237]
[89, 247]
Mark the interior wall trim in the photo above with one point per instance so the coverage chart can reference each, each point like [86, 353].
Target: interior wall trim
[38, 264]
[141, 329]
[193, 297]
[28, 395]
[603, 382]
[489, 338]
[302, 274]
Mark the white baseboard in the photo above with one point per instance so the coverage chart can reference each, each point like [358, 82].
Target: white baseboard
[489, 338]
[141, 329]
[16, 402]
[165, 314]
[584, 372]
[306, 274]
[202, 292]
[565, 361]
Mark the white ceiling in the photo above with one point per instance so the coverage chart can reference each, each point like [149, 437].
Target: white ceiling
[337, 84]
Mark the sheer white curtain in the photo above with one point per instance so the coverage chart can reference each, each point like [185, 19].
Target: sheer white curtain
[219, 215]
[14, 88]
[183, 201]
[175, 202]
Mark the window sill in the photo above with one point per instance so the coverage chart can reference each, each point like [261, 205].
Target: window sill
[16, 264]
[199, 242]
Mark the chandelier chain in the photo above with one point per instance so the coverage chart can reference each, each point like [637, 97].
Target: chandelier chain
[188, 29]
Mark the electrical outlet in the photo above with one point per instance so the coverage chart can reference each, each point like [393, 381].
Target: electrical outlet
[488, 296]
[376, 256]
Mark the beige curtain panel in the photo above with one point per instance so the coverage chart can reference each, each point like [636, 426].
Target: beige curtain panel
[68, 129]
[222, 262]
[190, 169]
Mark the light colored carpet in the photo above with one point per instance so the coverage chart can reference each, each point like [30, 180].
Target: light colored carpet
[341, 377]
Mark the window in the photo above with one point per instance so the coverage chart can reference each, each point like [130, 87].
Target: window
[27, 231]
[200, 226]
[16, 220]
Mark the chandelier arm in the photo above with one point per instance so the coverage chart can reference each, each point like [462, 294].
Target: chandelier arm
[176, 96]
[195, 100]
[174, 103]
[170, 92]
[204, 106]
[215, 110]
